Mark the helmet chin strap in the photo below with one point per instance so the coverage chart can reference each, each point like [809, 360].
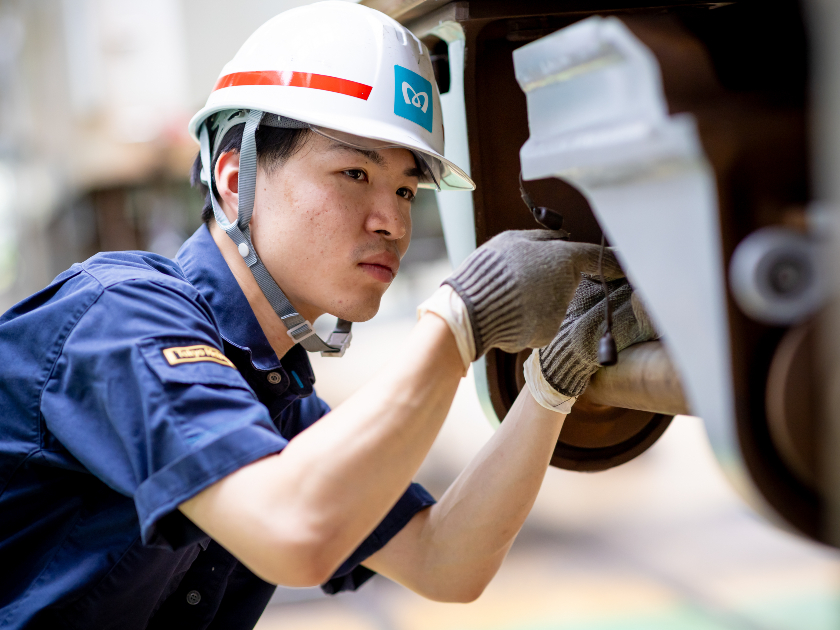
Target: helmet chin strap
[299, 329]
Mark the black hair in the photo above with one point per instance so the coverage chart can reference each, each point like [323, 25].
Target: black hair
[274, 146]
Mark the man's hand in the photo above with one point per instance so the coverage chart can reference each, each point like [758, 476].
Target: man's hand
[517, 286]
[570, 360]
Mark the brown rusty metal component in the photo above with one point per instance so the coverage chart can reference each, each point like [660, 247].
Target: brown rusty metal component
[741, 71]
[598, 437]
[792, 402]
[644, 379]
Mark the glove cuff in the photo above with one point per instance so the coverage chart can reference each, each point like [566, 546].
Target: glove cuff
[562, 359]
[448, 305]
[490, 295]
[541, 390]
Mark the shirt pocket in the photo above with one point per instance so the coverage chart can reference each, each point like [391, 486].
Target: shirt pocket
[189, 361]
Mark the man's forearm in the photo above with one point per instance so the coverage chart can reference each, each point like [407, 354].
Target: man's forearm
[335, 481]
[453, 550]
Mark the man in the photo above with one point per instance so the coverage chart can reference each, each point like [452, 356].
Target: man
[160, 459]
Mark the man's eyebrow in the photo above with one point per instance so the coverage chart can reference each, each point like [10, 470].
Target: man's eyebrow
[370, 154]
[413, 171]
[376, 158]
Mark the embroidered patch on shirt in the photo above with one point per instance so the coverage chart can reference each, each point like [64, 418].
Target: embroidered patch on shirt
[195, 354]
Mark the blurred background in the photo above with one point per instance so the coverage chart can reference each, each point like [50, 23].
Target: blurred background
[95, 96]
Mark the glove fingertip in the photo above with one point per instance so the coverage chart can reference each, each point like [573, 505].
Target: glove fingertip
[611, 266]
[592, 265]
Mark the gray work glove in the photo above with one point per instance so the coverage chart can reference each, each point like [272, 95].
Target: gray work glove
[516, 287]
[570, 360]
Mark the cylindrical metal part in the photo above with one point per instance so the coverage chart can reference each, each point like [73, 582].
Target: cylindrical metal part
[644, 379]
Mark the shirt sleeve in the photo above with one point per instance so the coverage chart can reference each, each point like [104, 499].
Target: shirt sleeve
[351, 574]
[142, 395]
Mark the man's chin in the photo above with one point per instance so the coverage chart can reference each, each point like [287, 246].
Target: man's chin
[360, 311]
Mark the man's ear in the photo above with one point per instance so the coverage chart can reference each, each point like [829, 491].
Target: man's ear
[227, 183]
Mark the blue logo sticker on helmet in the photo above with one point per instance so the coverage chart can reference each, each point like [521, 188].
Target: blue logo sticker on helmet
[413, 97]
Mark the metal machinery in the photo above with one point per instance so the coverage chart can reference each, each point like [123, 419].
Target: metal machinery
[701, 137]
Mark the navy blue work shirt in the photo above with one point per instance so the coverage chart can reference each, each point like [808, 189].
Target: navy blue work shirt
[127, 386]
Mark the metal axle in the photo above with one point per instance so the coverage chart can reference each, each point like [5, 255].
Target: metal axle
[644, 379]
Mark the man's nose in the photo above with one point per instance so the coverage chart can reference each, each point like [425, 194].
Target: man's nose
[386, 218]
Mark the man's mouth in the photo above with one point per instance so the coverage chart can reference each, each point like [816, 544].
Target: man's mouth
[382, 267]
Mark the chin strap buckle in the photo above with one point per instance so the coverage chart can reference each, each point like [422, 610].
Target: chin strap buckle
[340, 341]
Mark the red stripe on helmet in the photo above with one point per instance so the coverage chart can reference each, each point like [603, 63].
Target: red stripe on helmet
[295, 79]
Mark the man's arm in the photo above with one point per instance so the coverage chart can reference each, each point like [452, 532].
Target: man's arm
[294, 517]
[451, 551]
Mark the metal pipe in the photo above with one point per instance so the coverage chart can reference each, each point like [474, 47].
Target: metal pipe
[644, 379]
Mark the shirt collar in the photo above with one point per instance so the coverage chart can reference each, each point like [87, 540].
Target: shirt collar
[206, 269]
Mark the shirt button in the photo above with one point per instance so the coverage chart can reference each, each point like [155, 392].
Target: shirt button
[193, 597]
[274, 378]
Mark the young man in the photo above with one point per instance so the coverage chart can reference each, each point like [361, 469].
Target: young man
[160, 459]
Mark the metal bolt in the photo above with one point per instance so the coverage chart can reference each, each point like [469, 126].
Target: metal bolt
[775, 277]
[788, 276]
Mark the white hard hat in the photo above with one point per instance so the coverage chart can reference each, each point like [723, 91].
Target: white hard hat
[349, 72]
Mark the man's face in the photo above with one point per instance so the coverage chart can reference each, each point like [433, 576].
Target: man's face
[332, 223]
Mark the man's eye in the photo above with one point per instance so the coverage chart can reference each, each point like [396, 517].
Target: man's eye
[406, 193]
[356, 173]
